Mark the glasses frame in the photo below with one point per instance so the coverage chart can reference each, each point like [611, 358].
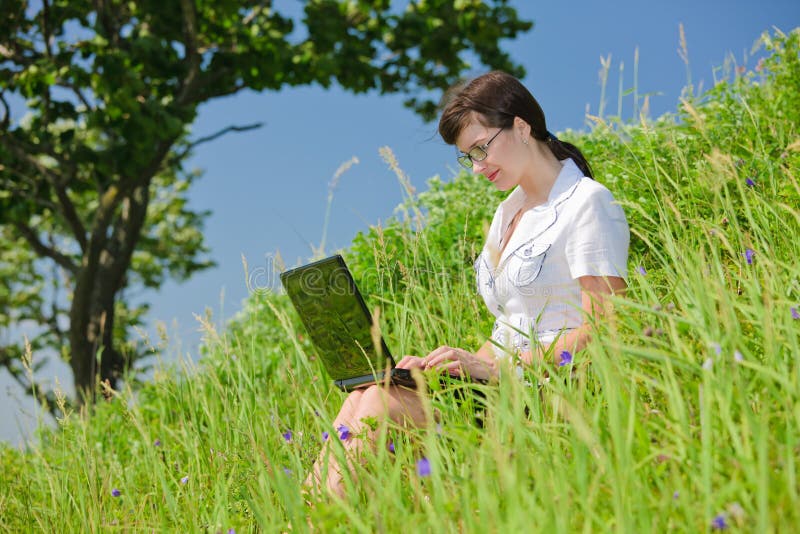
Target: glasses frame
[476, 153]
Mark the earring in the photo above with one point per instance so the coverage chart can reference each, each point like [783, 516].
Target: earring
[525, 141]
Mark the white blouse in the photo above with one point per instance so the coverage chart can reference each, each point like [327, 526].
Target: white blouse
[533, 288]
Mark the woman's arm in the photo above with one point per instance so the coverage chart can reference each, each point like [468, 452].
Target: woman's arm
[594, 290]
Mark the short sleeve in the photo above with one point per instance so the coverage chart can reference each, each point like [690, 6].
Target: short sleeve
[597, 244]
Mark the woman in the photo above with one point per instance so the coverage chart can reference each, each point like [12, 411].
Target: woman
[556, 247]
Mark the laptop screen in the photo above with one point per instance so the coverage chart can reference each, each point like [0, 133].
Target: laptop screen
[336, 317]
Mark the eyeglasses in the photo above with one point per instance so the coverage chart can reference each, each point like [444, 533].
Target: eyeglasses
[477, 153]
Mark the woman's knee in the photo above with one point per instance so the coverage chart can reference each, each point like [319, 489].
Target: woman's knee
[393, 402]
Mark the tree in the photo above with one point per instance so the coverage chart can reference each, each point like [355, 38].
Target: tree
[92, 180]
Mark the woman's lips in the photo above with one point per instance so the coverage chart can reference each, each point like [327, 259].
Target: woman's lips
[492, 176]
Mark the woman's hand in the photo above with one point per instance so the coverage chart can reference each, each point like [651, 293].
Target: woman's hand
[410, 362]
[460, 362]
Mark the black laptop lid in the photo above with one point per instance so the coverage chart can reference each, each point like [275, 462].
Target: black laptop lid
[336, 317]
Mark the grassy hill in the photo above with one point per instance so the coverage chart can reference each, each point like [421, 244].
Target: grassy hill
[683, 414]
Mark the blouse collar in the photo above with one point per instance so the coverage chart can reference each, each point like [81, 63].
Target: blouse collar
[569, 175]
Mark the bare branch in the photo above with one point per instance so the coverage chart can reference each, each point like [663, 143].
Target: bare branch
[6, 113]
[220, 133]
[43, 250]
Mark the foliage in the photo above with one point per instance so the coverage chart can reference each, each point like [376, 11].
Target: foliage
[681, 415]
[93, 189]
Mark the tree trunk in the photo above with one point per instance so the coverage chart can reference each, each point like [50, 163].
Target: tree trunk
[100, 278]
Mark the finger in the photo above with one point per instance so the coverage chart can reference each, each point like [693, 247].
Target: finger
[410, 362]
[437, 351]
[441, 359]
[452, 368]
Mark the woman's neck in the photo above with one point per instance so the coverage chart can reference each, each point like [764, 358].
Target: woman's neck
[544, 168]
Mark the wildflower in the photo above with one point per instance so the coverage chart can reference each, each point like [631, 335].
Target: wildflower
[157, 443]
[676, 495]
[565, 358]
[325, 436]
[708, 364]
[748, 255]
[287, 435]
[737, 356]
[115, 492]
[795, 313]
[719, 522]
[391, 447]
[641, 270]
[344, 432]
[717, 348]
[423, 467]
[185, 480]
[287, 470]
[750, 182]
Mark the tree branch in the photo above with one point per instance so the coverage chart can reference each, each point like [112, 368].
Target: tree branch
[22, 193]
[71, 215]
[192, 59]
[64, 83]
[43, 250]
[191, 146]
[67, 209]
[6, 112]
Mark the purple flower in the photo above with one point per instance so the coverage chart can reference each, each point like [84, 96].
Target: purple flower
[750, 182]
[676, 495]
[344, 432]
[719, 523]
[287, 470]
[748, 255]
[391, 447]
[231, 531]
[185, 480]
[157, 443]
[287, 435]
[737, 356]
[115, 492]
[795, 313]
[325, 436]
[565, 358]
[641, 270]
[423, 467]
[717, 348]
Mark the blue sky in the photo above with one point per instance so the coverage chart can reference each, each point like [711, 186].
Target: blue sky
[267, 188]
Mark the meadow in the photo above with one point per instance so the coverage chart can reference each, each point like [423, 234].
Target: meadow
[683, 414]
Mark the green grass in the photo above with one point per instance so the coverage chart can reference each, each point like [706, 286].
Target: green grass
[685, 407]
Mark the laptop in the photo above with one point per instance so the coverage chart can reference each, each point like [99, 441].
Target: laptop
[338, 322]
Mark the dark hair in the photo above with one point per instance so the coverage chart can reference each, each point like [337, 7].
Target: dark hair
[497, 97]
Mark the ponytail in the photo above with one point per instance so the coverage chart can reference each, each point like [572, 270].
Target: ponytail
[563, 150]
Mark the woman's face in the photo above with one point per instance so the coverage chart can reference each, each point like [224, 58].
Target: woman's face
[505, 157]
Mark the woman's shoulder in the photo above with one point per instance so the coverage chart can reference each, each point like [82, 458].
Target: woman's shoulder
[590, 193]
